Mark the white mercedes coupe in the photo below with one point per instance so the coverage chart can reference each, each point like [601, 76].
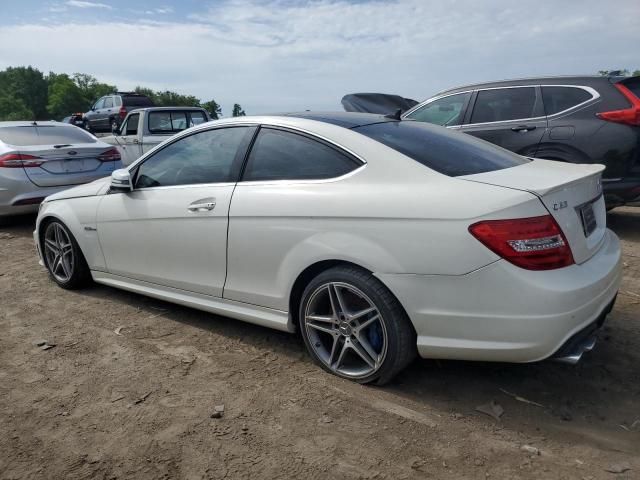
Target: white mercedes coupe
[377, 238]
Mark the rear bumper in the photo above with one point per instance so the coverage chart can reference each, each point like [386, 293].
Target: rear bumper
[621, 192]
[504, 313]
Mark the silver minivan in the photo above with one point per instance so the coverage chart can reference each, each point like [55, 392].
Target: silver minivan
[38, 159]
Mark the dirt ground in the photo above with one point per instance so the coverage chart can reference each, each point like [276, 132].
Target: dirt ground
[138, 403]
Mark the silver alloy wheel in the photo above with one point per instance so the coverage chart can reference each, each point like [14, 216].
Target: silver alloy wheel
[345, 330]
[58, 252]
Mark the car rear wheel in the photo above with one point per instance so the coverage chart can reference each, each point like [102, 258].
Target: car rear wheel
[354, 327]
[63, 258]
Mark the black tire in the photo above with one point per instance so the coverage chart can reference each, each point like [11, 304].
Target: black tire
[400, 334]
[113, 124]
[79, 275]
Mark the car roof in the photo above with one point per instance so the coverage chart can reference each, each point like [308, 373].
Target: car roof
[552, 80]
[167, 108]
[31, 123]
[342, 119]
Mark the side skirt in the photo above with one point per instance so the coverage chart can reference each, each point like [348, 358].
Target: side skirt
[246, 312]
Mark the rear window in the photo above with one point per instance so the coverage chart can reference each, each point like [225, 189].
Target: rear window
[137, 101]
[45, 135]
[445, 151]
[167, 122]
[559, 99]
[633, 84]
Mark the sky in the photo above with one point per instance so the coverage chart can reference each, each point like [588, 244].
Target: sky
[287, 55]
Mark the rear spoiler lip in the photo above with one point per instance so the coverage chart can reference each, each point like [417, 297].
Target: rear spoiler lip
[591, 170]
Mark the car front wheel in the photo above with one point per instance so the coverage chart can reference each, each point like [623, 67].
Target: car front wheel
[63, 257]
[354, 327]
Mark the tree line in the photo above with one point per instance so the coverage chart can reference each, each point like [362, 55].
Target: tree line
[28, 94]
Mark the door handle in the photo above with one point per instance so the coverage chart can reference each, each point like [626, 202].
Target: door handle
[523, 128]
[202, 207]
[135, 140]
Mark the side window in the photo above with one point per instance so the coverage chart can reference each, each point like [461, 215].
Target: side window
[197, 118]
[502, 104]
[108, 102]
[118, 100]
[445, 111]
[280, 155]
[167, 122]
[205, 157]
[558, 99]
[131, 127]
[98, 105]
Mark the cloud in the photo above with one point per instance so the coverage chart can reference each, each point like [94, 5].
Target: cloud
[277, 55]
[84, 4]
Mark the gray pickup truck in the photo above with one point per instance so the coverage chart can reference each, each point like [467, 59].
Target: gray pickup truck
[145, 128]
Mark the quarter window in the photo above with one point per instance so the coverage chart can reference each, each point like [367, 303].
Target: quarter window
[281, 155]
[502, 104]
[205, 157]
[558, 99]
[445, 111]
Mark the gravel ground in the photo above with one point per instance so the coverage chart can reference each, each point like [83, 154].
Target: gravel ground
[129, 389]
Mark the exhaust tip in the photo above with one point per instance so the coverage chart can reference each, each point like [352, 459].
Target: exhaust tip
[574, 356]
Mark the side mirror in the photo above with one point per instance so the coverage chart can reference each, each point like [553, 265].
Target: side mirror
[121, 181]
[115, 129]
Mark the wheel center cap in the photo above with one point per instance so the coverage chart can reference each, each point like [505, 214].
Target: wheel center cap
[345, 329]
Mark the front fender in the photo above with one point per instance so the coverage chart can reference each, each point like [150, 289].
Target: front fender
[79, 216]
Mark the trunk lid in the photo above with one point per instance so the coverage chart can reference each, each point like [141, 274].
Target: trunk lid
[64, 165]
[572, 193]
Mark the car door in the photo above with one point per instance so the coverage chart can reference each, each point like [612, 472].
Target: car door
[129, 142]
[511, 117]
[171, 230]
[93, 115]
[267, 226]
[105, 112]
[448, 111]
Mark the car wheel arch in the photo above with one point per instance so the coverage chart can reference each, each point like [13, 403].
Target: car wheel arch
[308, 274]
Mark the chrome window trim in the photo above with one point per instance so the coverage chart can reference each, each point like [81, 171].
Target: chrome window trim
[187, 185]
[301, 181]
[593, 92]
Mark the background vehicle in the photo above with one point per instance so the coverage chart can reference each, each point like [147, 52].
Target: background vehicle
[76, 119]
[586, 119]
[378, 238]
[109, 111]
[145, 128]
[39, 159]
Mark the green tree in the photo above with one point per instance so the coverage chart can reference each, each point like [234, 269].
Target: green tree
[28, 86]
[173, 99]
[636, 73]
[90, 88]
[64, 96]
[621, 71]
[146, 91]
[213, 108]
[12, 108]
[238, 111]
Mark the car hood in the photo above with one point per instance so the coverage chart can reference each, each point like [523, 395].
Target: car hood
[97, 187]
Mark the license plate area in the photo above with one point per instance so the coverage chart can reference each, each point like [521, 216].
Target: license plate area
[588, 217]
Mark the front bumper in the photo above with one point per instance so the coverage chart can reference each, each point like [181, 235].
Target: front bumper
[504, 313]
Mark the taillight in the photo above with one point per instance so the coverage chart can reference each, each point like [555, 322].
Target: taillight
[19, 160]
[122, 113]
[111, 155]
[629, 116]
[534, 243]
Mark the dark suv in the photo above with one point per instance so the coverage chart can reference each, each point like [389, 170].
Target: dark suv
[109, 111]
[586, 119]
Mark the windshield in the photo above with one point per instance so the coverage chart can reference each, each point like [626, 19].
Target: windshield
[445, 151]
